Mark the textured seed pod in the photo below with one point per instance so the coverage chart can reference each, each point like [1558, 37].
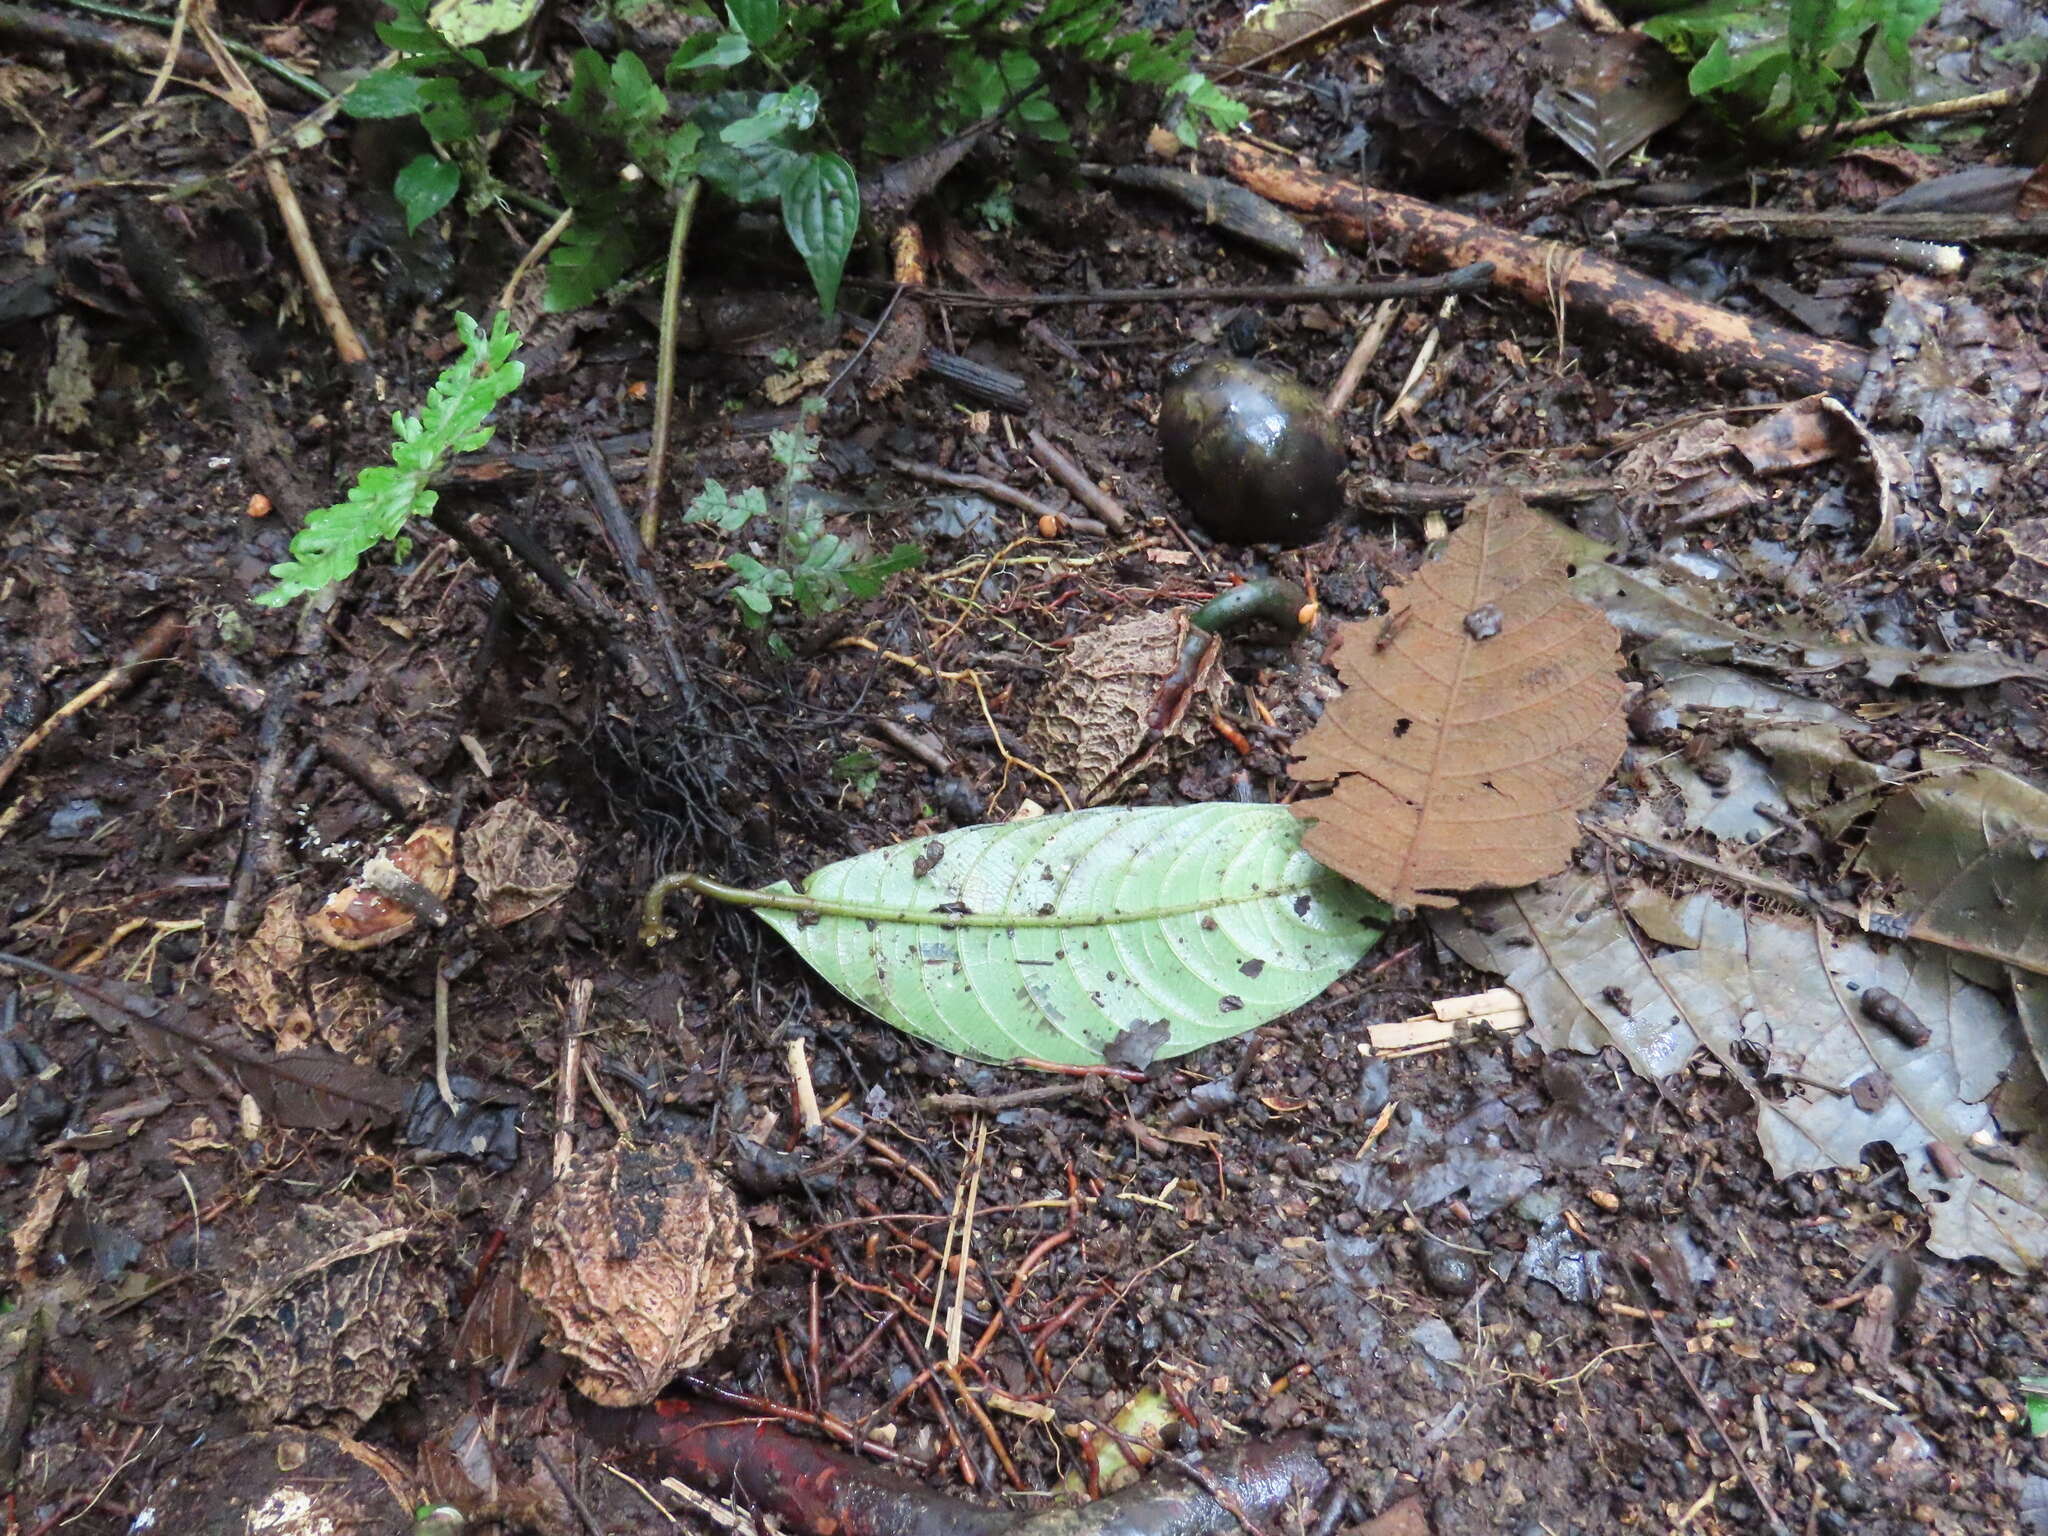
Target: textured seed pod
[639, 1261]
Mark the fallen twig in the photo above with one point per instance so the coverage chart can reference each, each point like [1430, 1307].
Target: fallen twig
[155, 644]
[1464, 280]
[1832, 224]
[1075, 479]
[1701, 337]
[1982, 104]
[245, 99]
[1406, 496]
[822, 1492]
[995, 490]
[138, 51]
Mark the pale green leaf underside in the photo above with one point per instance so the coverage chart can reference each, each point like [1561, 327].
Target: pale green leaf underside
[1065, 931]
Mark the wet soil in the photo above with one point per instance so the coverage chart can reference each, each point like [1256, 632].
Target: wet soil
[1543, 1295]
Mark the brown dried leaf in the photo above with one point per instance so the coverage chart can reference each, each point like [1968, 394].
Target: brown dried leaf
[1279, 31]
[1477, 719]
[1607, 93]
[331, 1314]
[306, 1090]
[520, 861]
[639, 1262]
[1095, 718]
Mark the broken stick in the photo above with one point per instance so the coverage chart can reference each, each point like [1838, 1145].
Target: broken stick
[1700, 337]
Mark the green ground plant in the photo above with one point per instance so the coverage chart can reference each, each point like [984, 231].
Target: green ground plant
[768, 104]
[387, 496]
[1776, 66]
[794, 560]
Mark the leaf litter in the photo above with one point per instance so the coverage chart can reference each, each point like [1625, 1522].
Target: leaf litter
[1477, 719]
[1120, 934]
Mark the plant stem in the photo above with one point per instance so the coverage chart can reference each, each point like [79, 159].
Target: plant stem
[653, 929]
[665, 361]
[163, 23]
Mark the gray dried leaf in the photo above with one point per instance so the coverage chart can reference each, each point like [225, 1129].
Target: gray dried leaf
[1758, 988]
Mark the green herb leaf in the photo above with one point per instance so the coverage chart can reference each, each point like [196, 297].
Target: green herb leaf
[424, 187]
[760, 20]
[334, 540]
[385, 93]
[709, 50]
[638, 98]
[727, 513]
[821, 211]
[778, 113]
[868, 577]
[1160, 930]
[586, 261]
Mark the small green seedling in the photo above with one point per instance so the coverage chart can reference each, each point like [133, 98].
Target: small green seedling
[386, 496]
[807, 566]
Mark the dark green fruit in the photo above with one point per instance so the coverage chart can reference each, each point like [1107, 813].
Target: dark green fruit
[1252, 452]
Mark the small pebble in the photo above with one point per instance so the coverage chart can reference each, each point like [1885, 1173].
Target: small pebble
[74, 818]
[1539, 1207]
[1606, 1199]
[1450, 1271]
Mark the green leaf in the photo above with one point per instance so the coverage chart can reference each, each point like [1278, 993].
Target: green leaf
[709, 50]
[384, 93]
[426, 186]
[468, 22]
[777, 113]
[860, 768]
[639, 99]
[754, 173]
[445, 112]
[821, 211]
[452, 421]
[2035, 1389]
[760, 20]
[727, 513]
[587, 260]
[1166, 928]
[867, 578]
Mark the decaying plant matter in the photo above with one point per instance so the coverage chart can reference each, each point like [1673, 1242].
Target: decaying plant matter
[640, 1261]
[821, 1492]
[331, 1323]
[1478, 717]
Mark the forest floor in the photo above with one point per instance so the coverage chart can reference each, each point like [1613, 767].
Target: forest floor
[1608, 1314]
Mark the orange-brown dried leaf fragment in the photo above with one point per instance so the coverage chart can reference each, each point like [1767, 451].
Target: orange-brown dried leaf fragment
[1478, 717]
[358, 916]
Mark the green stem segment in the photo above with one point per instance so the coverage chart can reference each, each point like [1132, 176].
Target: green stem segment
[653, 929]
[1275, 599]
[665, 365]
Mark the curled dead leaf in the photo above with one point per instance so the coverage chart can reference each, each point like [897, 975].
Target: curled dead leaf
[520, 861]
[1462, 751]
[1286, 29]
[358, 916]
[331, 1315]
[1098, 711]
[639, 1261]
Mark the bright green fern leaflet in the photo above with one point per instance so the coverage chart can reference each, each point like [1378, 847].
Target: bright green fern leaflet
[386, 496]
